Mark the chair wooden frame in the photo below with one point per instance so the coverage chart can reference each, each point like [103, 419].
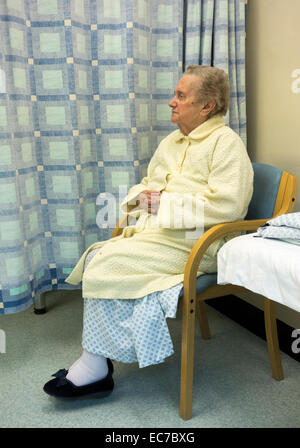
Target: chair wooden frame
[194, 303]
[284, 204]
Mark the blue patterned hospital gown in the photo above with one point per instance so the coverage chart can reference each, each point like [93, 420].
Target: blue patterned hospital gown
[130, 330]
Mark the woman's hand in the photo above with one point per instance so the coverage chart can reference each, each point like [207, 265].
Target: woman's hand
[149, 201]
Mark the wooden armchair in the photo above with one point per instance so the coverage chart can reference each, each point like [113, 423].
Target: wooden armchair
[274, 194]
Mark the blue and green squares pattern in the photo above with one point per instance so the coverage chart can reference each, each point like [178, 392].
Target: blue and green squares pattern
[84, 88]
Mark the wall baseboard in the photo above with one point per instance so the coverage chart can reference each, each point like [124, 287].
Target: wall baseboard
[252, 318]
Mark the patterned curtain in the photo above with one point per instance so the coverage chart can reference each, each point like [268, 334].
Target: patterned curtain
[84, 91]
[84, 87]
[215, 35]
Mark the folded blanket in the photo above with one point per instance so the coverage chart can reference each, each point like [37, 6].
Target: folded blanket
[269, 231]
[285, 227]
[289, 219]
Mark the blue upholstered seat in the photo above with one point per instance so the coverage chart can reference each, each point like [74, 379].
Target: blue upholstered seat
[265, 188]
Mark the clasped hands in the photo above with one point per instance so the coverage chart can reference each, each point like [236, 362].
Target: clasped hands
[149, 201]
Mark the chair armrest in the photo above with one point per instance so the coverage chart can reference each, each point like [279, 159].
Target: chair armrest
[208, 238]
[214, 233]
[123, 222]
[211, 235]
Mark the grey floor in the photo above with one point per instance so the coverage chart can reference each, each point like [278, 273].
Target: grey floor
[233, 387]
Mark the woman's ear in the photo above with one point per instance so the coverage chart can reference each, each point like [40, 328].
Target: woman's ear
[208, 108]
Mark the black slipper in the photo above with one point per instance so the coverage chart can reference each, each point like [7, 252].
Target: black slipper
[110, 366]
[61, 387]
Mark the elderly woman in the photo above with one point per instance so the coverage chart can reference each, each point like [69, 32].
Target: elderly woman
[200, 175]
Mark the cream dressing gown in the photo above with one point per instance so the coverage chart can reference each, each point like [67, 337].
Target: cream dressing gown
[211, 165]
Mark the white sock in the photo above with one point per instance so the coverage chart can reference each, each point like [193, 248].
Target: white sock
[89, 368]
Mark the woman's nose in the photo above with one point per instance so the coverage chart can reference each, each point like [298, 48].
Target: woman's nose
[172, 102]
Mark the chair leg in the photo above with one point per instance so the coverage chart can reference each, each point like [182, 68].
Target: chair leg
[272, 339]
[187, 358]
[203, 321]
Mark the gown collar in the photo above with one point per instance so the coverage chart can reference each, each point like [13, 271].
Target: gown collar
[202, 131]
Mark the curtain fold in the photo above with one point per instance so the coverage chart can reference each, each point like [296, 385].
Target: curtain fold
[84, 91]
[215, 35]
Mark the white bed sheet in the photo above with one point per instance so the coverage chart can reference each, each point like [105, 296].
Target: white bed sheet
[265, 266]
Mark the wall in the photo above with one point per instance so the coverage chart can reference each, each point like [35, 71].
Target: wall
[273, 96]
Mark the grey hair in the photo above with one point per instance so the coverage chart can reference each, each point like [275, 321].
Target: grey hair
[215, 86]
